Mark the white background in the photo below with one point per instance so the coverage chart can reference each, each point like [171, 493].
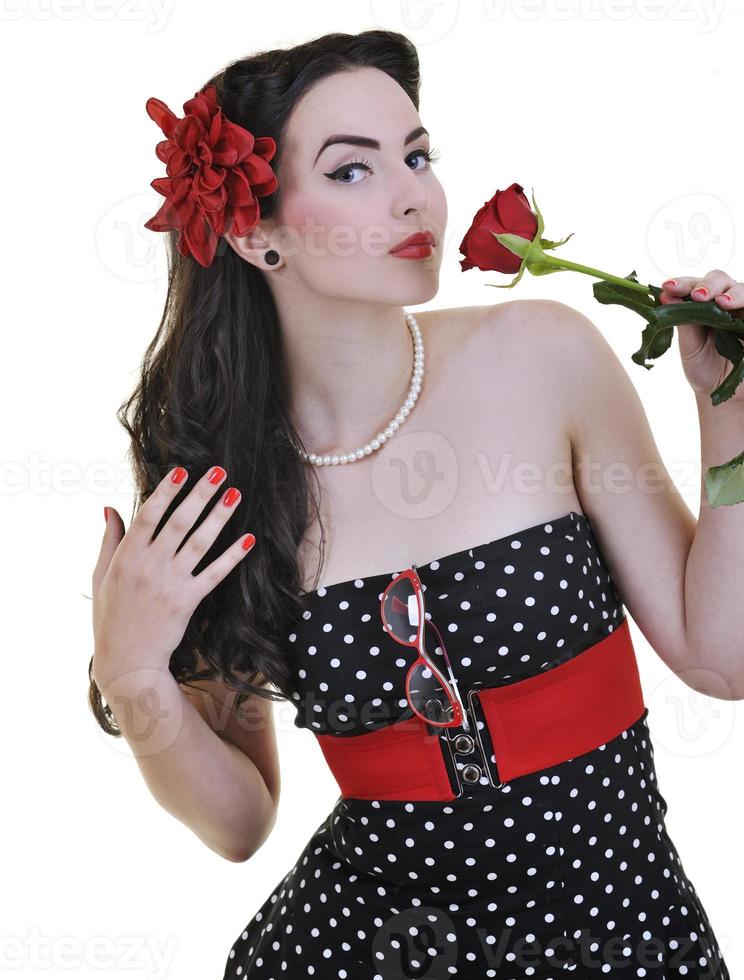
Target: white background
[626, 120]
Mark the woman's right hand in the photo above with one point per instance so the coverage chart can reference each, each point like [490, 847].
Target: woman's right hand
[144, 593]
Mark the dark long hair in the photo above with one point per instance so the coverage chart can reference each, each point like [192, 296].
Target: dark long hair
[212, 389]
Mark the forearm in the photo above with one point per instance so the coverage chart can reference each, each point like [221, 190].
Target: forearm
[714, 574]
[204, 781]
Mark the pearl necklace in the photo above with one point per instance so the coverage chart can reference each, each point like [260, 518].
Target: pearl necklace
[397, 420]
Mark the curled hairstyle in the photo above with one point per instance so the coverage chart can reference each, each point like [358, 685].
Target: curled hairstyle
[212, 388]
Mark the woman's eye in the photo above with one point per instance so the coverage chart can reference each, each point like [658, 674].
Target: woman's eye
[429, 156]
[349, 168]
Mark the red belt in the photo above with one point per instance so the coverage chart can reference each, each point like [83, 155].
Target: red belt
[533, 724]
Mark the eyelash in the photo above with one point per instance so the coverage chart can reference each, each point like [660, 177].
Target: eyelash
[431, 156]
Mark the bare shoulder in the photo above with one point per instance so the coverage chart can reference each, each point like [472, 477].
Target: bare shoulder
[517, 318]
[534, 340]
[468, 318]
[547, 319]
[573, 354]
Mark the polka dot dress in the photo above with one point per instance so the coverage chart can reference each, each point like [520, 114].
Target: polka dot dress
[569, 869]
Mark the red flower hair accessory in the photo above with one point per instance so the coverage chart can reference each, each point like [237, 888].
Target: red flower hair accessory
[216, 171]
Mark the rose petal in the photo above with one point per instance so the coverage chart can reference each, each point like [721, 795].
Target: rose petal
[160, 113]
[246, 219]
[216, 169]
[188, 133]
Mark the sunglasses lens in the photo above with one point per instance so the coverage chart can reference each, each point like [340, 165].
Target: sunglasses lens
[400, 610]
[427, 696]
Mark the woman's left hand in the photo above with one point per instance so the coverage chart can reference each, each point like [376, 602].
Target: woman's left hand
[704, 367]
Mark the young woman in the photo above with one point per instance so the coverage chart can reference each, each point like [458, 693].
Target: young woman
[476, 535]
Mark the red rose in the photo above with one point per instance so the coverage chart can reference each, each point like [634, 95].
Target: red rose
[508, 212]
[216, 170]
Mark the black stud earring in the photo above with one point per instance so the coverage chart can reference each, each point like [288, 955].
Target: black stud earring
[272, 256]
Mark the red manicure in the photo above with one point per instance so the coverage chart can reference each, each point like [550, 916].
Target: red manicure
[248, 542]
[216, 475]
[230, 497]
[178, 475]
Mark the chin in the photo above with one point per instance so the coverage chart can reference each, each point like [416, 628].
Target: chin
[428, 290]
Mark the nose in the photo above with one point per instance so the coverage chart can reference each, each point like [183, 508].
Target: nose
[421, 203]
[413, 196]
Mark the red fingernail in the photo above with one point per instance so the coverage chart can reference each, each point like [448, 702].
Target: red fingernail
[701, 291]
[726, 296]
[230, 497]
[248, 542]
[178, 475]
[216, 475]
[670, 282]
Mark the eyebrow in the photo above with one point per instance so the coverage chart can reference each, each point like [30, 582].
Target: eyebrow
[367, 141]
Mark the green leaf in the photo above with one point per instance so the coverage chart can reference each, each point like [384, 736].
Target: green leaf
[514, 243]
[547, 245]
[724, 484]
[662, 318]
[729, 384]
[633, 299]
[729, 345]
[540, 222]
[692, 311]
[508, 285]
[655, 341]
[606, 292]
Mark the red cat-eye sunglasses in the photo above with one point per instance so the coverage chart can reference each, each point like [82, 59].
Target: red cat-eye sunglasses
[433, 698]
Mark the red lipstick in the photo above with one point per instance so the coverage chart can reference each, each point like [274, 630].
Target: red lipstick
[417, 246]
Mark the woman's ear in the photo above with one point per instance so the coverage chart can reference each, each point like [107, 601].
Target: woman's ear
[253, 246]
